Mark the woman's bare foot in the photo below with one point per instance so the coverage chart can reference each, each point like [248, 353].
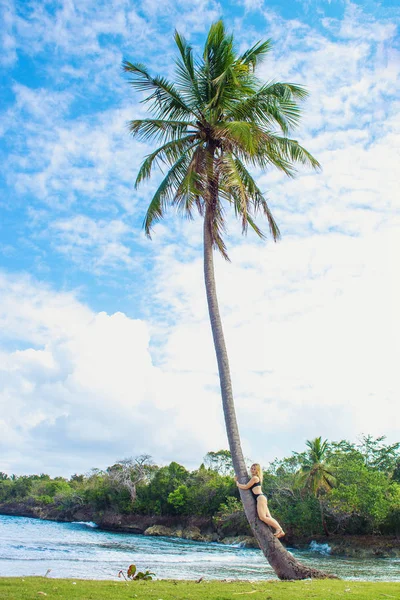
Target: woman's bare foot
[279, 533]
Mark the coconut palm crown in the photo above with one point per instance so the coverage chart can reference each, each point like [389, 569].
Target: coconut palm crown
[213, 123]
[315, 475]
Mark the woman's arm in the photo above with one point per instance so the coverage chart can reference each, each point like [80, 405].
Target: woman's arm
[246, 486]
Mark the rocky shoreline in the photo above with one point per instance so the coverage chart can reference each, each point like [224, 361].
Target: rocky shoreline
[202, 529]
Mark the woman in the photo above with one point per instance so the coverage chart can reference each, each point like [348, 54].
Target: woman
[262, 505]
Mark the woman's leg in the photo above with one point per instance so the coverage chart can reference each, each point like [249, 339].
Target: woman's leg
[265, 515]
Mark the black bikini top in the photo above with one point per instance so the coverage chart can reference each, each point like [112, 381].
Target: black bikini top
[255, 485]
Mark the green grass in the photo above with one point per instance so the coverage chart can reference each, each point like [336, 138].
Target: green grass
[27, 588]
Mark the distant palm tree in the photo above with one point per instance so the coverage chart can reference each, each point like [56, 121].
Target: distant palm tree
[213, 123]
[315, 475]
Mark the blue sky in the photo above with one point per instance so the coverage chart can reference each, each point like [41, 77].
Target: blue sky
[105, 347]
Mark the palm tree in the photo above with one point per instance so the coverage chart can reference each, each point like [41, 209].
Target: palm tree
[213, 123]
[314, 474]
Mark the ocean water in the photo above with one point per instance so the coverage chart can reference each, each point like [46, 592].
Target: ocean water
[81, 550]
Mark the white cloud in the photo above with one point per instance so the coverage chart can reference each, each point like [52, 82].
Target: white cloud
[81, 389]
[358, 24]
[61, 160]
[31, 313]
[312, 329]
[83, 30]
[8, 45]
[349, 78]
[252, 5]
[55, 156]
[94, 245]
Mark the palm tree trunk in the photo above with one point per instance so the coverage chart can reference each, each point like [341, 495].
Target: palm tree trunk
[324, 525]
[283, 563]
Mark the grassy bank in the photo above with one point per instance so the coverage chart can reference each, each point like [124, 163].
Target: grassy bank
[27, 588]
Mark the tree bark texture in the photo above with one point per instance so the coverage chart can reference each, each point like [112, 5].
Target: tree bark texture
[285, 566]
[324, 525]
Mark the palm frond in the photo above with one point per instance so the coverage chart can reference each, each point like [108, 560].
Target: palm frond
[269, 152]
[291, 151]
[236, 188]
[272, 104]
[166, 101]
[328, 482]
[255, 227]
[193, 185]
[256, 54]
[216, 40]
[159, 129]
[168, 153]
[260, 148]
[218, 230]
[187, 76]
[244, 134]
[218, 73]
[239, 187]
[258, 200]
[165, 192]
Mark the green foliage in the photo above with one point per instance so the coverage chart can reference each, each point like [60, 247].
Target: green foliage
[391, 524]
[76, 480]
[230, 506]
[153, 498]
[134, 575]
[207, 490]
[231, 519]
[22, 487]
[220, 461]
[6, 486]
[45, 500]
[53, 487]
[314, 474]
[178, 499]
[365, 497]
[396, 471]
[378, 455]
[301, 516]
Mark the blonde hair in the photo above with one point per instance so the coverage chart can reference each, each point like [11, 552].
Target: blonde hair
[258, 471]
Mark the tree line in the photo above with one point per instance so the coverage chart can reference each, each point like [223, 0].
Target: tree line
[329, 488]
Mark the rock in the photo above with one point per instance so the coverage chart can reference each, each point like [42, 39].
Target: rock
[244, 541]
[157, 530]
[192, 533]
[177, 532]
